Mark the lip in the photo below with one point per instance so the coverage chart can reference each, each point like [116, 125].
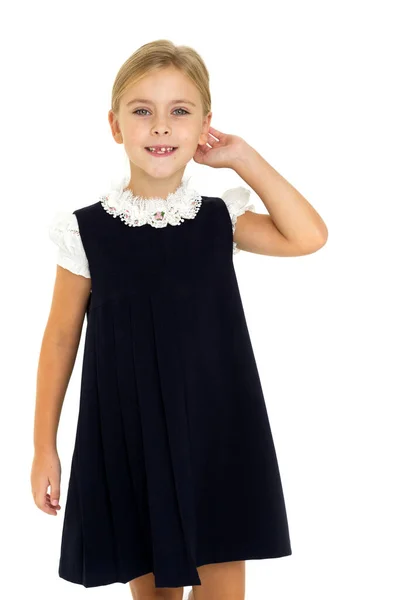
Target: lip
[164, 153]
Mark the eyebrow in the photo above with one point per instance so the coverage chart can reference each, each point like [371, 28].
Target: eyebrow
[145, 101]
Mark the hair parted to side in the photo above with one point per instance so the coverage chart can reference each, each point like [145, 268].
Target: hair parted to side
[157, 55]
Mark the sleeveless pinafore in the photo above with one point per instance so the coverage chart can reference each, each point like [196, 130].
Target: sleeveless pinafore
[174, 463]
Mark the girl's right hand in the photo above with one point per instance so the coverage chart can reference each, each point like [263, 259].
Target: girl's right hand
[46, 471]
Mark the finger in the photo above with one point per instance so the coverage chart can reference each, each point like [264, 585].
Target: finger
[45, 507]
[213, 142]
[203, 149]
[48, 500]
[49, 510]
[216, 132]
[55, 491]
[213, 137]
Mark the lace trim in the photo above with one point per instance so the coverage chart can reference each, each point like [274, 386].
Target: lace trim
[72, 264]
[64, 229]
[237, 202]
[136, 211]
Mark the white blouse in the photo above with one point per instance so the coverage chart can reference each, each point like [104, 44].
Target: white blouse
[183, 203]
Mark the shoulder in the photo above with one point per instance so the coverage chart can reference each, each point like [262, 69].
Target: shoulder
[88, 210]
[237, 200]
[233, 202]
[62, 223]
[63, 230]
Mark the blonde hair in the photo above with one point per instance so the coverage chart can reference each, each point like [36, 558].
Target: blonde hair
[158, 55]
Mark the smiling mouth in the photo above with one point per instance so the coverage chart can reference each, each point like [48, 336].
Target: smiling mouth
[161, 152]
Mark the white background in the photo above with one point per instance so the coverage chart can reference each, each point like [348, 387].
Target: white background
[313, 86]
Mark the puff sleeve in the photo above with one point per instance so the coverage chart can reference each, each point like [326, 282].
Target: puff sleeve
[64, 232]
[237, 201]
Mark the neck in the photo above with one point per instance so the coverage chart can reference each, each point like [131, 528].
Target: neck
[146, 187]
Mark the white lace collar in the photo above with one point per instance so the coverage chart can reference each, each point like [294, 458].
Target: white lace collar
[135, 211]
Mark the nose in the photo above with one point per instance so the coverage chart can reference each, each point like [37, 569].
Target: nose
[161, 128]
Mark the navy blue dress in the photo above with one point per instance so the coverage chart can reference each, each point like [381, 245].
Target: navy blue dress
[174, 464]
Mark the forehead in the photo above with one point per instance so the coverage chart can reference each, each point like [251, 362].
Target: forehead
[163, 85]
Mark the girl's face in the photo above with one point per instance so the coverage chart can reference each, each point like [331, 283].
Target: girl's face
[164, 108]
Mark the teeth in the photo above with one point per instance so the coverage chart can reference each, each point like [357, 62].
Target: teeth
[161, 151]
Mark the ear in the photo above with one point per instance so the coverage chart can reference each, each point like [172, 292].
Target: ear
[115, 129]
[206, 126]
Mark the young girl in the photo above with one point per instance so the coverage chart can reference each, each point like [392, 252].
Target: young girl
[174, 478]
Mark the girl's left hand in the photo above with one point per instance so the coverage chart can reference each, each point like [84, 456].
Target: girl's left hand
[223, 152]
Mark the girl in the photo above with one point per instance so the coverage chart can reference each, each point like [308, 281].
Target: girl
[174, 478]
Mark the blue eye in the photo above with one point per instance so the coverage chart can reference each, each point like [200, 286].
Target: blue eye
[139, 109]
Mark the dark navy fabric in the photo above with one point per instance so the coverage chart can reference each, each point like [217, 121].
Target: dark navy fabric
[174, 464]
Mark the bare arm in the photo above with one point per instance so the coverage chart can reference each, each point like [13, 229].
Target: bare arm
[57, 358]
[58, 353]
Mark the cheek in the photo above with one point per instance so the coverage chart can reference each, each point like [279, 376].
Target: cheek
[189, 139]
[136, 137]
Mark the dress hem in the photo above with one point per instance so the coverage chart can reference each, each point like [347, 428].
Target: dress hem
[206, 561]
